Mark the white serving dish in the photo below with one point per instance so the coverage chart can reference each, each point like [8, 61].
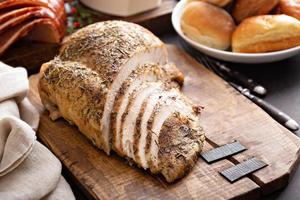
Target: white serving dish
[227, 55]
[122, 8]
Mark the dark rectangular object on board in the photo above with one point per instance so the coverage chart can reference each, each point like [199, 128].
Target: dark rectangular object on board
[222, 152]
[238, 171]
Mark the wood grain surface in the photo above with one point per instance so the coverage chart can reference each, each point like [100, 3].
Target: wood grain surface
[227, 116]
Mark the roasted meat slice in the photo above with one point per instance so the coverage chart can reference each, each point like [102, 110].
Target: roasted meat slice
[9, 14]
[26, 14]
[57, 6]
[144, 73]
[38, 29]
[130, 116]
[140, 132]
[39, 20]
[121, 102]
[171, 102]
[180, 142]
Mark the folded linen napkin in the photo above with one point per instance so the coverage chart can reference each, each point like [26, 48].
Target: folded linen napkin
[28, 170]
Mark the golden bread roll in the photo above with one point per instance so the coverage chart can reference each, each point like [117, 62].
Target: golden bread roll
[207, 24]
[220, 3]
[290, 7]
[266, 33]
[248, 8]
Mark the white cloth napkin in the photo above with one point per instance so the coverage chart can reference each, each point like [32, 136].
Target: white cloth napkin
[28, 170]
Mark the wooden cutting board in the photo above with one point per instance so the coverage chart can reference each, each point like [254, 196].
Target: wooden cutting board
[227, 116]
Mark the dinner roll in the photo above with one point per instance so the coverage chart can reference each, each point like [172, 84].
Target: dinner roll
[207, 24]
[220, 3]
[266, 33]
[248, 8]
[290, 7]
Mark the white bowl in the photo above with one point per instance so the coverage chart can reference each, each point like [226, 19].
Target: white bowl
[122, 8]
[227, 55]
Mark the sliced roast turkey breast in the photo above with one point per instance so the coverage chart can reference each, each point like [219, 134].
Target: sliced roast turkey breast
[144, 73]
[167, 104]
[112, 80]
[73, 91]
[130, 85]
[114, 49]
[170, 106]
[142, 144]
[120, 106]
[131, 114]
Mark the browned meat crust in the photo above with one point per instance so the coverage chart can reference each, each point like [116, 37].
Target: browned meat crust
[77, 92]
[180, 143]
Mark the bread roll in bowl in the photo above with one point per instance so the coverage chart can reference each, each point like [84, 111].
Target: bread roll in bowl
[290, 7]
[207, 24]
[248, 8]
[266, 33]
[220, 3]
